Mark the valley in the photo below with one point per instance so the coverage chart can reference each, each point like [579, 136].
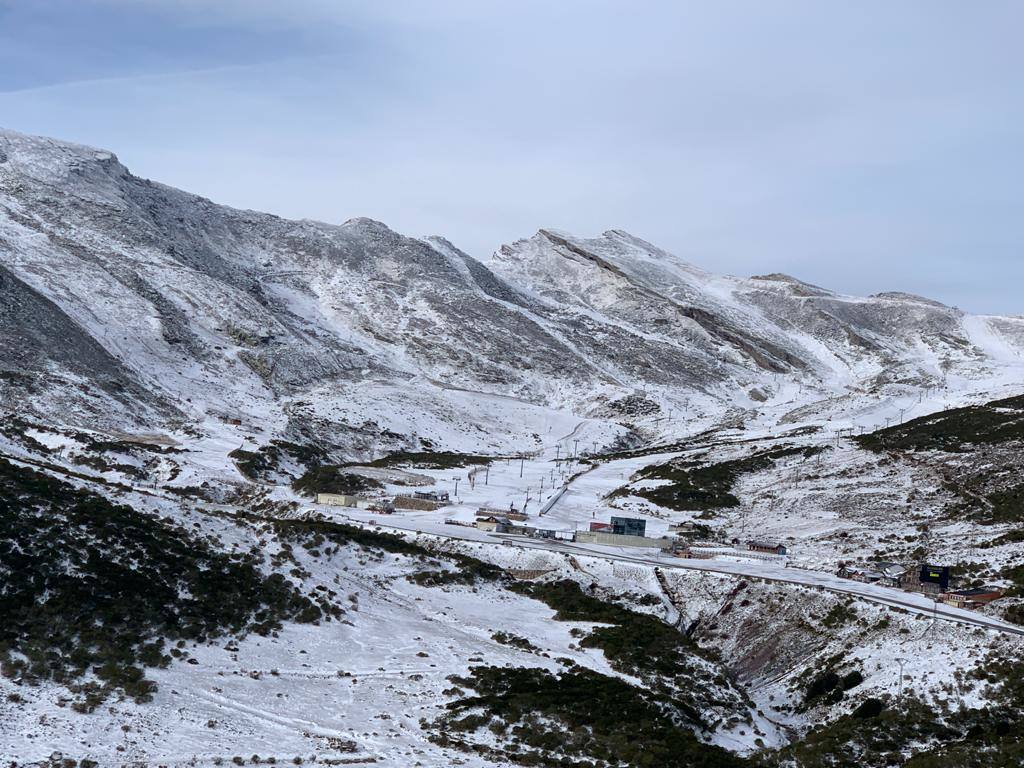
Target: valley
[290, 492]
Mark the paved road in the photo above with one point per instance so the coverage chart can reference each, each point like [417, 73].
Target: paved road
[909, 601]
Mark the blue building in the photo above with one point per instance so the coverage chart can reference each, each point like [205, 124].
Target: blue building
[629, 526]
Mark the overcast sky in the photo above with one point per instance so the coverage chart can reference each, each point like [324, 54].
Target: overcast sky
[863, 146]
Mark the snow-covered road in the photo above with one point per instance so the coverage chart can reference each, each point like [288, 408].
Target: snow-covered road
[910, 601]
[754, 569]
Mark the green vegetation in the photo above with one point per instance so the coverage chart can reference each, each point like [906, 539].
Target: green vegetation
[90, 586]
[1007, 505]
[1015, 575]
[1004, 505]
[320, 531]
[252, 464]
[1010, 537]
[429, 460]
[646, 450]
[572, 604]
[839, 615]
[696, 532]
[516, 641]
[829, 687]
[953, 431]
[694, 485]
[468, 572]
[983, 496]
[869, 708]
[638, 644]
[1015, 613]
[982, 499]
[16, 429]
[709, 437]
[314, 534]
[100, 464]
[860, 741]
[577, 718]
[321, 476]
[262, 464]
[124, 446]
[880, 734]
[332, 479]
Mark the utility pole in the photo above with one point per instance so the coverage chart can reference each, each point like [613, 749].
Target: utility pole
[487, 474]
[901, 662]
[456, 486]
[521, 460]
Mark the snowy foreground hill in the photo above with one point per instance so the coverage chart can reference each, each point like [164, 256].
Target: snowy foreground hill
[179, 379]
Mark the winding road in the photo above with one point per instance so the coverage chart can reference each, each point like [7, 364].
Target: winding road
[909, 601]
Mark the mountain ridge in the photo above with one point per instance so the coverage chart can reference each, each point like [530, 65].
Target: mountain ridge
[179, 381]
[205, 307]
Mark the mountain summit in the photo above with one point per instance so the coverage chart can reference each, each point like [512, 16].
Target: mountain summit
[292, 492]
[132, 305]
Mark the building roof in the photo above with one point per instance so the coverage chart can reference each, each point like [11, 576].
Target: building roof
[891, 570]
[864, 571]
[975, 591]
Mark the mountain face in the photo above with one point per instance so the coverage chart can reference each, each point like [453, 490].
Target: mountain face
[178, 380]
[129, 305]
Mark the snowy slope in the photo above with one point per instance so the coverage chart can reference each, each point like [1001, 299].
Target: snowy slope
[133, 314]
[181, 310]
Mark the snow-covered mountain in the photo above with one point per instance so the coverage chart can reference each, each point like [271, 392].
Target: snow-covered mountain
[171, 596]
[130, 305]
